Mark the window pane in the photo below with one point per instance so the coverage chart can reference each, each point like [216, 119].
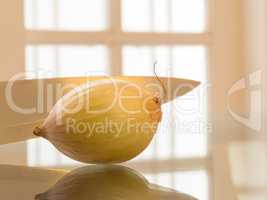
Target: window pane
[177, 61]
[164, 15]
[135, 15]
[66, 60]
[183, 130]
[66, 15]
[188, 15]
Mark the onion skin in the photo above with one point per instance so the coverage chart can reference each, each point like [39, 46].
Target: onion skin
[115, 121]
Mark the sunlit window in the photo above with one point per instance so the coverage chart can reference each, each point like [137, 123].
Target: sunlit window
[103, 42]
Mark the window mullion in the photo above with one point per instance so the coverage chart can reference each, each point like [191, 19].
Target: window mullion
[116, 59]
[115, 30]
[115, 16]
[109, 38]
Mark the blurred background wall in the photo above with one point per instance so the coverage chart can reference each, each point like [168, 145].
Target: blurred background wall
[12, 41]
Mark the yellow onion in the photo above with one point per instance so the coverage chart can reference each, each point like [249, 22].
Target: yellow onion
[104, 121]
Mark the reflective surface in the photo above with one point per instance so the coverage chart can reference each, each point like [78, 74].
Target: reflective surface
[90, 182]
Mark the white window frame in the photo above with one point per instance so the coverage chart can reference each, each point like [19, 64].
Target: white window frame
[114, 38]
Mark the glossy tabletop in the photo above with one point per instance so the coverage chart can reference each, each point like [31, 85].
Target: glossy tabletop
[98, 182]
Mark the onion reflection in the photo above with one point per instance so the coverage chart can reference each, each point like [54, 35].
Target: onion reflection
[112, 182]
